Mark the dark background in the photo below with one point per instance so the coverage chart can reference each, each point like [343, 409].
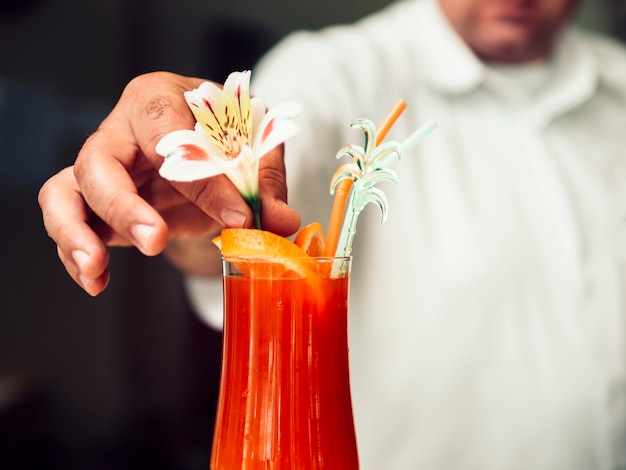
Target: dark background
[127, 380]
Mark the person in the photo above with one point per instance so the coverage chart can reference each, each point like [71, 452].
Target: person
[488, 315]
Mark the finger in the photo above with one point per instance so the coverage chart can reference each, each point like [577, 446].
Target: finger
[218, 198]
[153, 105]
[65, 218]
[112, 194]
[116, 160]
[92, 286]
[276, 215]
[183, 218]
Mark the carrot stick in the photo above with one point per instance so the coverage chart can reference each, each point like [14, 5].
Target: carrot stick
[343, 187]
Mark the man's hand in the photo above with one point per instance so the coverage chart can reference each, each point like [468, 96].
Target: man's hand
[114, 196]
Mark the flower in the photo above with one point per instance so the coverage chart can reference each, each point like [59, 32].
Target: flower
[232, 133]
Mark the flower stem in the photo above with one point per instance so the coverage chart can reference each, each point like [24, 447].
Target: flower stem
[255, 205]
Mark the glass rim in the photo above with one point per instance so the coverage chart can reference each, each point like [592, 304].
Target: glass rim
[270, 258]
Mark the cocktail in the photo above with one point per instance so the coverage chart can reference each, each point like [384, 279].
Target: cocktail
[284, 399]
[285, 393]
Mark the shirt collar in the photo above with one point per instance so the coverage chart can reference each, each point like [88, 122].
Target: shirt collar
[451, 67]
[449, 64]
[575, 78]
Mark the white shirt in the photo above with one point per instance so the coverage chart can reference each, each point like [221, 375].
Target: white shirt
[488, 315]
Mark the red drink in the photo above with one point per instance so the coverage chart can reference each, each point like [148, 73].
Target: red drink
[285, 392]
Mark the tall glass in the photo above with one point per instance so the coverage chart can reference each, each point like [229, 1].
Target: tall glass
[284, 400]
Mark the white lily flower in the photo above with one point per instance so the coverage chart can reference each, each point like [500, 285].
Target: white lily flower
[232, 133]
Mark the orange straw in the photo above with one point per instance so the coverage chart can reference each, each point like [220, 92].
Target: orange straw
[343, 187]
[390, 119]
[336, 217]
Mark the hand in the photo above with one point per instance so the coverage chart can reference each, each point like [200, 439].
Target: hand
[114, 196]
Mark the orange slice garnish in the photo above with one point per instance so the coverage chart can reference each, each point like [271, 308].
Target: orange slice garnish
[275, 256]
[254, 242]
[311, 239]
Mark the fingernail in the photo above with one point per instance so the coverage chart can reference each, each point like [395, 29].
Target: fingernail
[85, 281]
[88, 285]
[80, 258]
[232, 218]
[142, 234]
[94, 286]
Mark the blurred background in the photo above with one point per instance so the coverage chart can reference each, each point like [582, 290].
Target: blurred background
[127, 380]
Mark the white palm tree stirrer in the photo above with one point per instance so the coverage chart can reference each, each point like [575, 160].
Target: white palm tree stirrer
[372, 164]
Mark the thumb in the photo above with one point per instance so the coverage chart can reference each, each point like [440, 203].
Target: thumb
[276, 215]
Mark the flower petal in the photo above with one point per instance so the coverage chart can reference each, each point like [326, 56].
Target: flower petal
[275, 127]
[237, 86]
[258, 112]
[187, 157]
[174, 142]
[211, 148]
[175, 169]
[217, 112]
[243, 171]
